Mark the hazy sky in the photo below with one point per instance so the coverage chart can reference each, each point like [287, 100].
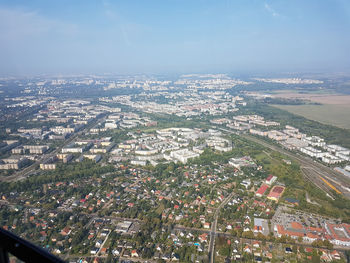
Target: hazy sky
[148, 36]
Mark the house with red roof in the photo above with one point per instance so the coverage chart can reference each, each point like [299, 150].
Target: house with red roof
[270, 179]
[335, 255]
[339, 234]
[203, 237]
[65, 231]
[134, 253]
[260, 192]
[103, 251]
[296, 230]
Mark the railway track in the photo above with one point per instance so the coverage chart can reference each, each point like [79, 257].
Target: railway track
[314, 170]
[316, 180]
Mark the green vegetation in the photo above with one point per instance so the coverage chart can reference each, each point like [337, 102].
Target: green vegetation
[63, 172]
[290, 175]
[337, 115]
[283, 101]
[297, 186]
[333, 135]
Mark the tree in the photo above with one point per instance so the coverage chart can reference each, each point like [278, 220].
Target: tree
[315, 259]
[109, 258]
[261, 236]
[78, 237]
[248, 234]
[224, 251]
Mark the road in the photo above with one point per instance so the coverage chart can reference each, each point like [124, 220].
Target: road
[113, 218]
[104, 241]
[248, 240]
[311, 169]
[214, 226]
[22, 174]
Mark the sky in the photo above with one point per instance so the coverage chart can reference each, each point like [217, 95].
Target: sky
[173, 36]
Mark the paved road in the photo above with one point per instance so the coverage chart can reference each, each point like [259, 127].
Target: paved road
[213, 232]
[247, 240]
[116, 218]
[104, 242]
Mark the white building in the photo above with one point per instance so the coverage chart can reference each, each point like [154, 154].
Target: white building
[183, 155]
[36, 149]
[312, 152]
[63, 130]
[337, 149]
[295, 143]
[111, 125]
[277, 135]
[331, 159]
[258, 132]
[314, 141]
[13, 162]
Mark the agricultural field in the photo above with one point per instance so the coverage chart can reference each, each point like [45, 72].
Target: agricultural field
[337, 115]
[319, 96]
[333, 109]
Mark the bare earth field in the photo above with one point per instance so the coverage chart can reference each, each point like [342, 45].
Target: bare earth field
[335, 109]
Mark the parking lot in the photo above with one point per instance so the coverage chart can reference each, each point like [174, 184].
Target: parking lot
[284, 216]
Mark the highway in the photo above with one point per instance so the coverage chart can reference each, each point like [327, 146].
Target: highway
[311, 169]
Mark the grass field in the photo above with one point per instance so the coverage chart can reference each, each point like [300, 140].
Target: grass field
[337, 115]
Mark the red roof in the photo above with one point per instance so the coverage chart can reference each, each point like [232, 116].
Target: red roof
[308, 249]
[296, 225]
[276, 192]
[269, 178]
[339, 235]
[262, 189]
[310, 235]
[278, 189]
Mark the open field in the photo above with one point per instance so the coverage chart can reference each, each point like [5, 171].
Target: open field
[337, 115]
[323, 98]
[335, 108]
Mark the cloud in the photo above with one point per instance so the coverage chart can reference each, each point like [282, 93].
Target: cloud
[130, 32]
[30, 40]
[17, 24]
[271, 10]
